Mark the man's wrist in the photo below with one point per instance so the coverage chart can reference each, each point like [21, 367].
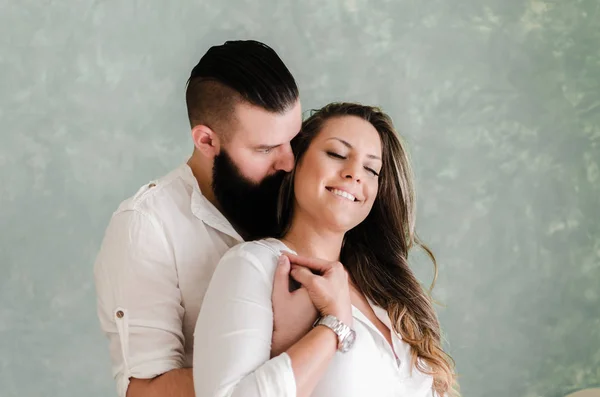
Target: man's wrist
[279, 343]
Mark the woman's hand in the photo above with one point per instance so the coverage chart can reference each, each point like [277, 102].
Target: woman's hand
[328, 289]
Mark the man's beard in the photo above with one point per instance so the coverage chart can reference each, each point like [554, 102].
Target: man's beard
[250, 207]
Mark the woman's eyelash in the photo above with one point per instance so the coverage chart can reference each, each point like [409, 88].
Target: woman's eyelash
[335, 155]
[339, 156]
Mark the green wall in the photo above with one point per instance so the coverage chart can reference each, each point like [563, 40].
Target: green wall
[498, 100]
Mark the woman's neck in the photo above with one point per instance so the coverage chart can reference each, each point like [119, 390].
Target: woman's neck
[310, 239]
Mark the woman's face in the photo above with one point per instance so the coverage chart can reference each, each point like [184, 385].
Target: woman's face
[337, 179]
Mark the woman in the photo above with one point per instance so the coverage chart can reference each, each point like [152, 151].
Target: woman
[350, 199]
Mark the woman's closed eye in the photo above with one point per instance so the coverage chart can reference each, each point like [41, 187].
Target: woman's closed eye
[372, 171]
[336, 155]
[340, 157]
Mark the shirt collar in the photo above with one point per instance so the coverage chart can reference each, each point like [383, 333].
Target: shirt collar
[204, 209]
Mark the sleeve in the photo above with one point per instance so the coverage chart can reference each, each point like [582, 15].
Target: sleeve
[232, 341]
[138, 299]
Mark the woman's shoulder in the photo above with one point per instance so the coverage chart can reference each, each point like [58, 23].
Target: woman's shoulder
[263, 252]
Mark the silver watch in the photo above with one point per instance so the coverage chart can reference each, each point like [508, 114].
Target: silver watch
[346, 335]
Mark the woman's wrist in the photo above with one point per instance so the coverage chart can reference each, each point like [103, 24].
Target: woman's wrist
[344, 315]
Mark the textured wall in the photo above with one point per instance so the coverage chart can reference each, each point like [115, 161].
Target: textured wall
[499, 102]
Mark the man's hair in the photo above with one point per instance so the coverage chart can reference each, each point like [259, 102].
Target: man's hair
[234, 72]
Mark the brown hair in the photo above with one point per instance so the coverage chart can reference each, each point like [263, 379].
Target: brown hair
[375, 253]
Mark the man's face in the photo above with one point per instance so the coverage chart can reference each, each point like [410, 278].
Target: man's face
[249, 168]
[259, 143]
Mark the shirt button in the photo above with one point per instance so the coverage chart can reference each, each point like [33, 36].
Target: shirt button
[152, 184]
[120, 314]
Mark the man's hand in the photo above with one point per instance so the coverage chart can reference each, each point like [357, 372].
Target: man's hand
[293, 312]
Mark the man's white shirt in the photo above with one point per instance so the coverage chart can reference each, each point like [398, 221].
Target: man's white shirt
[157, 258]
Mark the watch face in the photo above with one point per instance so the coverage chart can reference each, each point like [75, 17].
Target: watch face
[348, 341]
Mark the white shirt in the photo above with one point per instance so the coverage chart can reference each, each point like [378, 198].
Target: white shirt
[157, 258]
[233, 341]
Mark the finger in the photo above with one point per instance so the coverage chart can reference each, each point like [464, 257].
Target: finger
[303, 275]
[281, 283]
[319, 265]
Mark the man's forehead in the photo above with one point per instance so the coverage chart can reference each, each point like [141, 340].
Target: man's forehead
[256, 126]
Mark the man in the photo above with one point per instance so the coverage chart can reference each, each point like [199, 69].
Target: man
[163, 244]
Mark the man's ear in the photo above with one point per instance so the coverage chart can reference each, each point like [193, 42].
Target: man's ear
[206, 141]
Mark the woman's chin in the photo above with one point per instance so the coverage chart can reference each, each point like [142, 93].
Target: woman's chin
[340, 223]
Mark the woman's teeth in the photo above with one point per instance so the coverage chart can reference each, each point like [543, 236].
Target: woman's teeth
[343, 194]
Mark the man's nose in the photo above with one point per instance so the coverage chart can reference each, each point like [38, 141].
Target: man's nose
[285, 162]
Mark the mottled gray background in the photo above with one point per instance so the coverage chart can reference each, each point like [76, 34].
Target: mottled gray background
[499, 102]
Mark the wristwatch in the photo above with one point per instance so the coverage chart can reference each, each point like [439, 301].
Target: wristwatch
[346, 335]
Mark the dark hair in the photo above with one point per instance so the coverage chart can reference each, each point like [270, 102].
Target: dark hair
[375, 253]
[237, 71]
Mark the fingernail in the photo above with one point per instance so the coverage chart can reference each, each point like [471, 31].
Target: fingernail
[281, 260]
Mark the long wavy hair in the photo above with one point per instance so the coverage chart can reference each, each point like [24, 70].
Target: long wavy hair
[375, 253]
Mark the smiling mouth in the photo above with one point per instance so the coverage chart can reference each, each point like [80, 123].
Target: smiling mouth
[343, 194]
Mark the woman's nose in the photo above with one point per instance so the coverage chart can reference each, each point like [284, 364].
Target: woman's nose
[352, 171]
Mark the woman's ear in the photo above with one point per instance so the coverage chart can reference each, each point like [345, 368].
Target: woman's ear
[206, 140]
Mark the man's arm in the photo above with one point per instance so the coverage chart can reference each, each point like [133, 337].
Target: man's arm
[175, 383]
[139, 307]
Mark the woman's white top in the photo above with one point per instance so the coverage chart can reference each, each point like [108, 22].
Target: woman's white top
[232, 341]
